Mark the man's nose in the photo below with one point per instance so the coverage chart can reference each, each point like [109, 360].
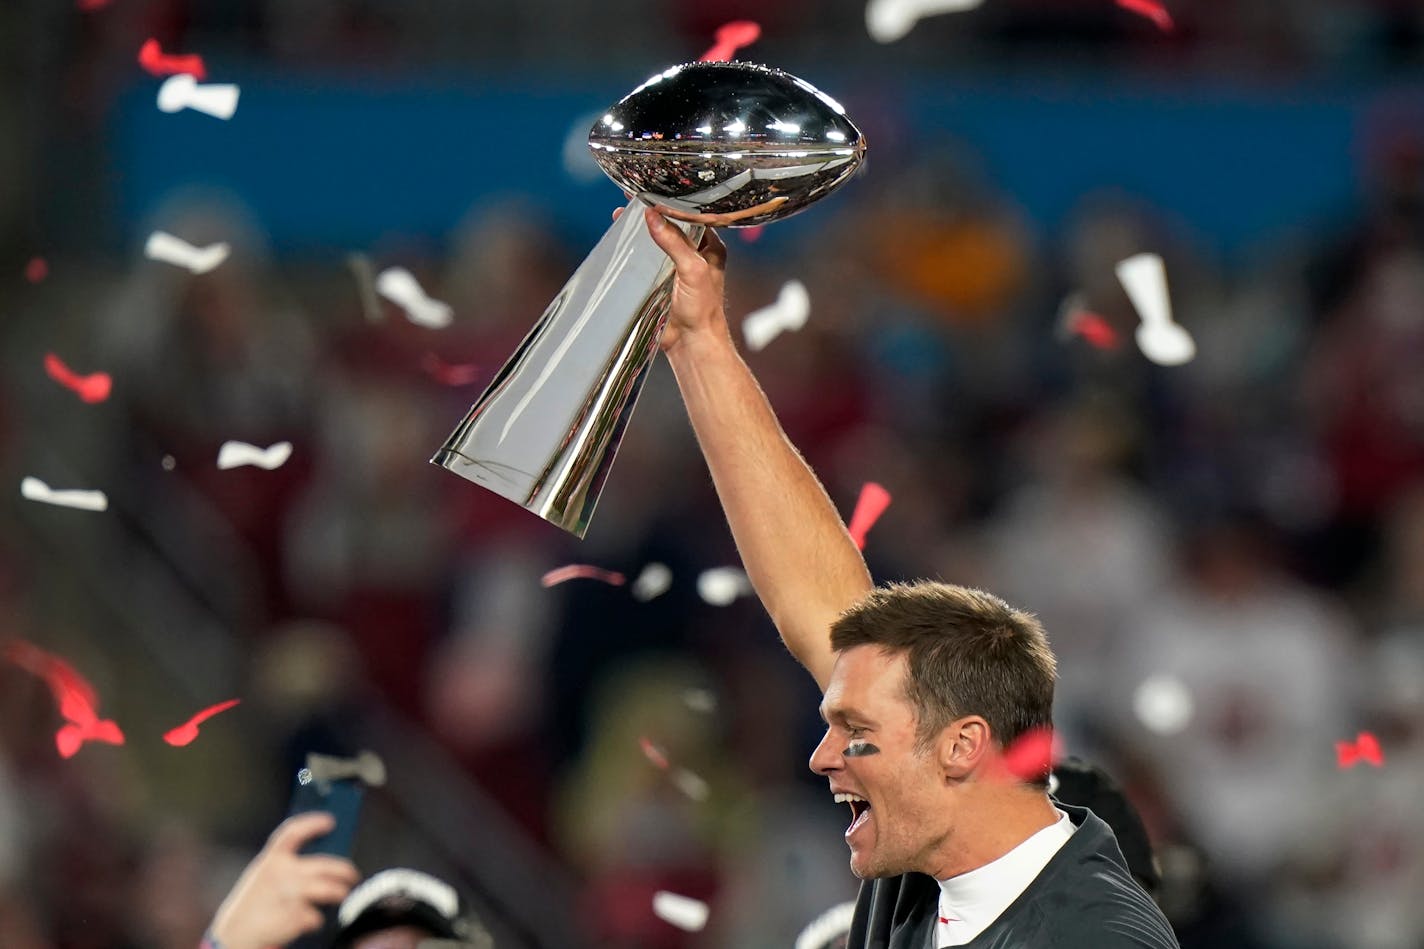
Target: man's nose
[826, 758]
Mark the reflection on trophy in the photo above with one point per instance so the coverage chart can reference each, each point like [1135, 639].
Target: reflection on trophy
[712, 145]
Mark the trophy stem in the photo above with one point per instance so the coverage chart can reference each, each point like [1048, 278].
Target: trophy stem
[546, 430]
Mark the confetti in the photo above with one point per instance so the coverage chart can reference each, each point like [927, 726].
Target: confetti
[447, 373]
[1163, 704]
[692, 784]
[36, 269]
[700, 700]
[400, 287]
[652, 582]
[721, 585]
[750, 235]
[653, 753]
[581, 571]
[1032, 754]
[91, 388]
[730, 38]
[1366, 748]
[788, 313]
[1161, 340]
[830, 925]
[164, 247]
[1151, 9]
[1095, 330]
[152, 58]
[169, 462]
[872, 503]
[235, 454]
[683, 912]
[36, 490]
[183, 92]
[186, 732]
[74, 696]
[1075, 319]
[890, 20]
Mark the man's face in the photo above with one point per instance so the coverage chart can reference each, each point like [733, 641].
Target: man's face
[396, 937]
[869, 752]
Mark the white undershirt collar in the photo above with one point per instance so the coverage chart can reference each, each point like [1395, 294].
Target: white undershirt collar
[968, 903]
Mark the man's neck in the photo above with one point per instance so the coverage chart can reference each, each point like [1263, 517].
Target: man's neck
[992, 822]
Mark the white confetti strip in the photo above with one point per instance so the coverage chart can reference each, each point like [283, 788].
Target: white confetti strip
[1161, 340]
[653, 582]
[683, 912]
[700, 700]
[235, 454]
[184, 92]
[692, 784]
[400, 287]
[36, 490]
[721, 585]
[1164, 704]
[787, 314]
[890, 20]
[830, 925]
[164, 247]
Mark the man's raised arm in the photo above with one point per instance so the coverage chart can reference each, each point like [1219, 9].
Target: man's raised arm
[793, 543]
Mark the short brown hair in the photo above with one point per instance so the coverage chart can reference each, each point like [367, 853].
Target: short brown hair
[968, 653]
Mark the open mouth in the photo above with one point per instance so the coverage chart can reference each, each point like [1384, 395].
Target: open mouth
[859, 811]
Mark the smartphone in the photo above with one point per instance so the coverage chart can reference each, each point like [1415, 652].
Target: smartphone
[339, 797]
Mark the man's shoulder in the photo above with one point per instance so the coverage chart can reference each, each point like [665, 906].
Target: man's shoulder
[1104, 910]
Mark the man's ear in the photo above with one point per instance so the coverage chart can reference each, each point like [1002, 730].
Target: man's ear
[962, 746]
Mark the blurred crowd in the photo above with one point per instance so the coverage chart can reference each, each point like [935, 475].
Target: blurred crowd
[1228, 555]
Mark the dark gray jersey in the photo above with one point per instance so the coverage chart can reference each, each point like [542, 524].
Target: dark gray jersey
[1084, 898]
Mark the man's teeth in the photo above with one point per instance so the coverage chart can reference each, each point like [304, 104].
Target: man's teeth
[847, 798]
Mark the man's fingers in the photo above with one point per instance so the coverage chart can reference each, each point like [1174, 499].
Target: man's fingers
[310, 920]
[324, 890]
[673, 242]
[332, 868]
[298, 829]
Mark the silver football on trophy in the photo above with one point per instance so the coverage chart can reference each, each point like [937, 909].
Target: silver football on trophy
[727, 144]
[713, 145]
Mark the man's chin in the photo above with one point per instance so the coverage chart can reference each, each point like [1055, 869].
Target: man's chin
[865, 868]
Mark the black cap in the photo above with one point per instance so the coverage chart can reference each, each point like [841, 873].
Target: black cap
[400, 897]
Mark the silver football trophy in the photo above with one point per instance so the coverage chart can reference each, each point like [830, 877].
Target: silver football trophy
[711, 145]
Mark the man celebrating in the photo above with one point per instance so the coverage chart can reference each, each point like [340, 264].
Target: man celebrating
[926, 687]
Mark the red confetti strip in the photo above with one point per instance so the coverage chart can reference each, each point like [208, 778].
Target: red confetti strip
[186, 732]
[91, 388]
[872, 503]
[1366, 748]
[1096, 330]
[730, 38]
[1031, 756]
[751, 235]
[577, 571]
[75, 697]
[36, 270]
[152, 58]
[1151, 9]
[449, 374]
[653, 753]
